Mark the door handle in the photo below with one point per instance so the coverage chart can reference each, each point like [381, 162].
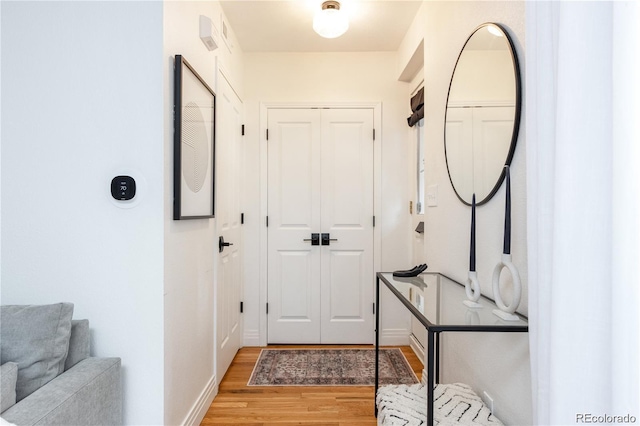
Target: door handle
[315, 239]
[222, 244]
[326, 239]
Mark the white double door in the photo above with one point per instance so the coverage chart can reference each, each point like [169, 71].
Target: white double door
[320, 172]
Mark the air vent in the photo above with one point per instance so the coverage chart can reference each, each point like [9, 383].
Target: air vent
[226, 33]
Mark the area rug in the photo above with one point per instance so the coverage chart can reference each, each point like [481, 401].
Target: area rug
[330, 367]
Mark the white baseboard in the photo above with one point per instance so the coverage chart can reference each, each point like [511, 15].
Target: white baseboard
[388, 337]
[419, 351]
[417, 347]
[202, 404]
[251, 338]
[424, 377]
[394, 337]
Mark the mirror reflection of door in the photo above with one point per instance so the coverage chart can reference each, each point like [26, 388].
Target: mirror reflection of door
[483, 114]
[478, 138]
[320, 180]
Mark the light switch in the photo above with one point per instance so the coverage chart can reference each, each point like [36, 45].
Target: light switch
[432, 195]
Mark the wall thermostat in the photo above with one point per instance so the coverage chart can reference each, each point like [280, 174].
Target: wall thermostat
[123, 188]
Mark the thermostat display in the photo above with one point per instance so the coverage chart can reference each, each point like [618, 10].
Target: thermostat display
[123, 188]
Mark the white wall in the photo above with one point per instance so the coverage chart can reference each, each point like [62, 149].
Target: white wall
[190, 246]
[326, 78]
[189, 250]
[492, 69]
[496, 363]
[82, 103]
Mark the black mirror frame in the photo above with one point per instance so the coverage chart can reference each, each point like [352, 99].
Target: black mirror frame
[516, 120]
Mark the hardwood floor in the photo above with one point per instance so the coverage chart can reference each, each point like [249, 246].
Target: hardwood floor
[239, 404]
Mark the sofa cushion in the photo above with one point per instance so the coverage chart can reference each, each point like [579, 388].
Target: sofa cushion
[36, 337]
[8, 377]
[79, 343]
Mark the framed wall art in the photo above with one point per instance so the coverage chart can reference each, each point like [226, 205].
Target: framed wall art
[194, 144]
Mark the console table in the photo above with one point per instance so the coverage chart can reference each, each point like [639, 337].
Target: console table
[436, 301]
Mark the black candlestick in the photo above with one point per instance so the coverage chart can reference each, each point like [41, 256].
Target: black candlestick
[507, 215]
[472, 249]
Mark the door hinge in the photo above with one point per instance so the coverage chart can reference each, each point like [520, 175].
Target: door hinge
[267, 134]
[267, 309]
[267, 221]
[374, 221]
[241, 307]
[374, 134]
[374, 309]
[242, 131]
[241, 218]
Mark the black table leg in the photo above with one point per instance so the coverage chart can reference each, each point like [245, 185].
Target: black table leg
[377, 308]
[437, 365]
[430, 375]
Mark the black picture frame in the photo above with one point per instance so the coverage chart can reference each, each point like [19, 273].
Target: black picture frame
[194, 144]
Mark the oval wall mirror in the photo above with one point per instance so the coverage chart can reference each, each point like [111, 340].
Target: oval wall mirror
[482, 114]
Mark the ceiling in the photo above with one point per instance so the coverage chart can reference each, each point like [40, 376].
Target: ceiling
[286, 25]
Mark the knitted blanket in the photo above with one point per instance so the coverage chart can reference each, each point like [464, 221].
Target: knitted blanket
[454, 404]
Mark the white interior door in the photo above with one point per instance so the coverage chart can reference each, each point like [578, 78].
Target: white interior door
[320, 182]
[347, 216]
[294, 214]
[228, 168]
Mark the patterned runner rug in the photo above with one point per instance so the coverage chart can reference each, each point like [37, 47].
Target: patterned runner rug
[330, 367]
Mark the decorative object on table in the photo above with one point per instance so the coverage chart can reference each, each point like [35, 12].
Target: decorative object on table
[413, 272]
[194, 144]
[416, 281]
[506, 312]
[472, 285]
[330, 367]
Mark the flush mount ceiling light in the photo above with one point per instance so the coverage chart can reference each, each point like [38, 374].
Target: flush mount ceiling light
[495, 30]
[330, 22]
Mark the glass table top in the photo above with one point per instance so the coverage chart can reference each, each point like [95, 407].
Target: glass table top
[437, 302]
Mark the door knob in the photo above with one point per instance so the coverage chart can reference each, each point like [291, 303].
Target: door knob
[315, 239]
[326, 239]
[222, 244]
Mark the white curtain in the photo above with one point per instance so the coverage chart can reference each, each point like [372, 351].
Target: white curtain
[583, 185]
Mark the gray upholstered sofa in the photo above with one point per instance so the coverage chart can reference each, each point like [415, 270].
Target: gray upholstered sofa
[47, 374]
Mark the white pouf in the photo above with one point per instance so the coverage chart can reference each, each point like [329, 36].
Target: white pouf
[454, 404]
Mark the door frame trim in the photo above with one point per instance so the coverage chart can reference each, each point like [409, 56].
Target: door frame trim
[377, 185]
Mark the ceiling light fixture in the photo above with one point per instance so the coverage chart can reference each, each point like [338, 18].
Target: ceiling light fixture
[495, 31]
[330, 22]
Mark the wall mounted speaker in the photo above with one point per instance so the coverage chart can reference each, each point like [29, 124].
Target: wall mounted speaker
[208, 33]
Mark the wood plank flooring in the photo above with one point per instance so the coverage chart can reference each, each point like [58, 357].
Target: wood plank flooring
[239, 404]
